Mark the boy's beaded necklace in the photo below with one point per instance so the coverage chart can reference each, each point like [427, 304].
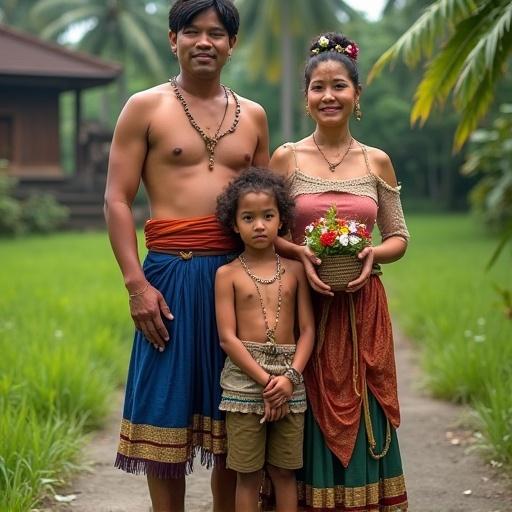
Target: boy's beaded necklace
[269, 333]
[210, 142]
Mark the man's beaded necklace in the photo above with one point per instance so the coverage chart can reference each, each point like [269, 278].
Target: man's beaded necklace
[210, 142]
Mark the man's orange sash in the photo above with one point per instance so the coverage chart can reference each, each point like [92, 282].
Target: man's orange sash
[193, 233]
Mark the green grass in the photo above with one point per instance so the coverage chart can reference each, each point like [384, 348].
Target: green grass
[65, 338]
[445, 300]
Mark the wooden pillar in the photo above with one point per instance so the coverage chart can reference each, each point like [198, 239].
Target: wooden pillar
[78, 122]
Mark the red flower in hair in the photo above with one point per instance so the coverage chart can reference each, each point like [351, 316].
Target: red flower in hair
[352, 50]
[327, 239]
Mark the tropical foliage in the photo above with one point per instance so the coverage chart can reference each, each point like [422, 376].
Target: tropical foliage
[277, 39]
[467, 44]
[14, 12]
[126, 30]
[490, 155]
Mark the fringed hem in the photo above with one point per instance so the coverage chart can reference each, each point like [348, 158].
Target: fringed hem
[228, 405]
[169, 470]
[376, 508]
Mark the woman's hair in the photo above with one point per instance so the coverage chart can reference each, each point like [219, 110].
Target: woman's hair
[332, 46]
[184, 11]
[255, 179]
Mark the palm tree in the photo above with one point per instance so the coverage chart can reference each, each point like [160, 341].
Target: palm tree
[13, 13]
[476, 39]
[125, 30]
[286, 25]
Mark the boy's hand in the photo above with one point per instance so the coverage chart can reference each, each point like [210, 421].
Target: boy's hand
[278, 391]
[274, 414]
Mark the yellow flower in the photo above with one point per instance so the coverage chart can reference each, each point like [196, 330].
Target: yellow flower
[323, 42]
[344, 230]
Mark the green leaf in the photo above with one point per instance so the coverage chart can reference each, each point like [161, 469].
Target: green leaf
[419, 40]
[507, 237]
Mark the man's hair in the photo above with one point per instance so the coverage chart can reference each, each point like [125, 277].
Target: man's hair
[184, 11]
[255, 179]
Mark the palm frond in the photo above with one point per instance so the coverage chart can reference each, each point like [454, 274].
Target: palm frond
[50, 8]
[443, 71]
[136, 37]
[418, 41]
[474, 108]
[473, 112]
[62, 23]
[493, 44]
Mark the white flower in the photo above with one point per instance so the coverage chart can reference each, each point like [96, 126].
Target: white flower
[353, 239]
[343, 240]
[323, 42]
[309, 228]
[481, 321]
[479, 338]
[324, 230]
[352, 227]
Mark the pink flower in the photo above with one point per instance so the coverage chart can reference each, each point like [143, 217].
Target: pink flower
[352, 50]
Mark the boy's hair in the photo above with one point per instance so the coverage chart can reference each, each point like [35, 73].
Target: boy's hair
[255, 179]
[184, 11]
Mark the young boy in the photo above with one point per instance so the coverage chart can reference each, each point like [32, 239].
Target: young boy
[257, 298]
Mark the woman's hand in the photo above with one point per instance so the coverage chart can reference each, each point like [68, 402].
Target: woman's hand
[367, 256]
[309, 259]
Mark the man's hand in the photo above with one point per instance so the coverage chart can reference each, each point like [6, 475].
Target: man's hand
[309, 259]
[147, 309]
[367, 256]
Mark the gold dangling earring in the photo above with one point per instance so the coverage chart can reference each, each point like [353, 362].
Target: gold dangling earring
[357, 111]
[229, 56]
[306, 110]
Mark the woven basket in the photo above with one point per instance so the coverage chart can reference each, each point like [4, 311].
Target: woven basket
[337, 271]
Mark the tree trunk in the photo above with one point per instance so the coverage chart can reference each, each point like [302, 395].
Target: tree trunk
[288, 72]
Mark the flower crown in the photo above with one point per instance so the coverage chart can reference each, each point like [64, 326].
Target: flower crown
[326, 45]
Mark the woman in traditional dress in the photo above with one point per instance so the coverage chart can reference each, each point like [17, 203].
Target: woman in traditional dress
[351, 453]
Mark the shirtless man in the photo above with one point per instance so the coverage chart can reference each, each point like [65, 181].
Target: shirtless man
[185, 140]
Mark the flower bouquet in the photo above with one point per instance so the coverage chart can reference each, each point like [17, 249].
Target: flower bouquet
[337, 242]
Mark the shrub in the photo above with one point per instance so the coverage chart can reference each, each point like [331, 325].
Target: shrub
[43, 214]
[10, 210]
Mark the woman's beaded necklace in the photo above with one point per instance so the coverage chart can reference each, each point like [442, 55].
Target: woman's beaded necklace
[269, 333]
[332, 166]
[210, 142]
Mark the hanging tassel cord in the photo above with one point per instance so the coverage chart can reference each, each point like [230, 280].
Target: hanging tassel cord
[372, 443]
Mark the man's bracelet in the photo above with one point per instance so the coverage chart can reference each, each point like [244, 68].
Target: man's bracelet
[140, 292]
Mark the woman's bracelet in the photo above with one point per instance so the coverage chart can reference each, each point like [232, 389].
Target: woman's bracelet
[140, 292]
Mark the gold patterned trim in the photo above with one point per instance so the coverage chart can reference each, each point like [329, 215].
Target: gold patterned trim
[351, 497]
[172, 445]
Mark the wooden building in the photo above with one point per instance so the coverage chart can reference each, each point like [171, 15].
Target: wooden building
[33, 74]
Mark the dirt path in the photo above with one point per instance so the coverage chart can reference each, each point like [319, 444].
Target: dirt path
[441, 475]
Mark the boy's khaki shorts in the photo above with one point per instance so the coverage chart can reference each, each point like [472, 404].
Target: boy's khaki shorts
[251, 444]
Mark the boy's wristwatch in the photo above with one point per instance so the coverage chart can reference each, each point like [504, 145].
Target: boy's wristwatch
[294, 376]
